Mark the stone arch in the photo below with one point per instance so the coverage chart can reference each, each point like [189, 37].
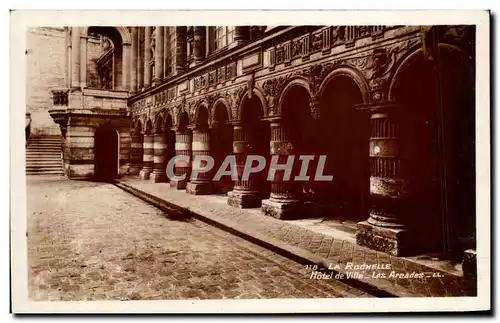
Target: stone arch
[168, 119]
[413, 54]
[298, 81]
[437, 128]
[158, 123]
[258, 93]
[201, 109]
[123, 31]
[220, 101]
[355, 75]
[137, 124]
[148, 126]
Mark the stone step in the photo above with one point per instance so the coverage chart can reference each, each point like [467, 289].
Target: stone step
[35, 168]
[44, 164]
[43, 150]
[43, 158]
[45, 173]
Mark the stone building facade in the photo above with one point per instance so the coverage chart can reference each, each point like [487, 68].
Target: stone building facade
[391, 108]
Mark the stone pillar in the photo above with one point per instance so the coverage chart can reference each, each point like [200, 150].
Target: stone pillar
[126, 58]
[133, 67]
[83, 61]
[385, 230]
[67, 53]
[202, 184]
[241, 34]
[182, 148]
[158, 54]
[147, 56]
[159, 167]
[181, 48]
[75, 57]
[147, 160]
[199, 45]
[136, 151]
[140, 59]
[245, 193]
[284, 201]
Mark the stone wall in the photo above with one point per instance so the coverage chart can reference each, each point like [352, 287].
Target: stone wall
[45, 57]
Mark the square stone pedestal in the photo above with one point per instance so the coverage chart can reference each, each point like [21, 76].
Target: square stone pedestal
[144, 174]
[469, 265]
[204, 188]
[134, 169]
[158, 177]
[244, 200]
[178, 184]
[283, 210]
[393, 241]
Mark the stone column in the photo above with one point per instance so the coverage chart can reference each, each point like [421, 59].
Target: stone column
[140, 59]
[75, 57]
[202, 184]
[245, 193]
[147, 160]
[159, 147]
[83, 60]
[385, 230]
[158, 54]
[133, 67]
[67, 53]
[241, 34]
[284, 201]
[199, 45]
[126, 61]
[136, 151]
[182, 148]
[181, 48]
[147, 56]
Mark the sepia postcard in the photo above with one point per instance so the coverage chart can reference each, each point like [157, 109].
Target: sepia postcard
[250, 161]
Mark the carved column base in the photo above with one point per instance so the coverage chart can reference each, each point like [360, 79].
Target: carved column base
[283, 210]
[157, 177]
[223, 188]
[203, 188]
[178, 184]
[135, 169]
[145, 173]
[394, 241]
[244, 200]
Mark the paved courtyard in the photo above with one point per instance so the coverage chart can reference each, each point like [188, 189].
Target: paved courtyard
[93, 241]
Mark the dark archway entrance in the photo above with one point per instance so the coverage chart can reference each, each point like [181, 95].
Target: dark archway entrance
[437, 98]
[346, 134]
[106, 153]
[259, 134]
[222, 144]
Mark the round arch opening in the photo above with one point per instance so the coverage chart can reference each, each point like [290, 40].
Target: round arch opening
[438, 132]
[345, 143]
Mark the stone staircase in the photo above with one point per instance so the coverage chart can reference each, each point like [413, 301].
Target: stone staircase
[43, 156]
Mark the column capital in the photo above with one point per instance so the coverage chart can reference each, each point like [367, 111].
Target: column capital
[384, 106]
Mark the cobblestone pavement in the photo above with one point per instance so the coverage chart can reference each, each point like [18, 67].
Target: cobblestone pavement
[92, 241]
[328, 247]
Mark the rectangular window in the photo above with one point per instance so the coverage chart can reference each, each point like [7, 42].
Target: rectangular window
[170, 47]
[223, 36]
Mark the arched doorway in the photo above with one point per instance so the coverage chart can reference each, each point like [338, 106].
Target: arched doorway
[221, 144]
[106, 153]
[298, 124]
[438, 130]
[259, 138]
[346, 134]
[251, 136]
